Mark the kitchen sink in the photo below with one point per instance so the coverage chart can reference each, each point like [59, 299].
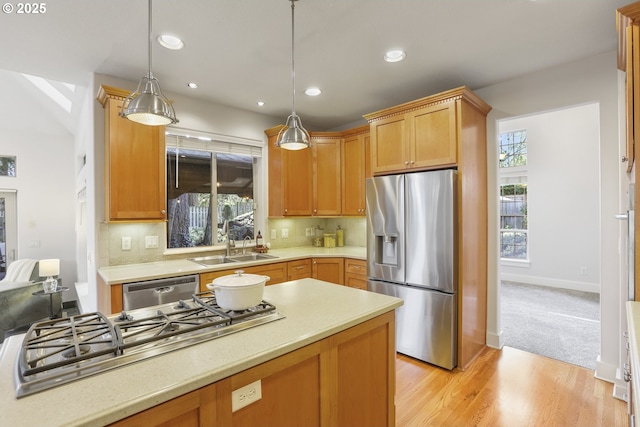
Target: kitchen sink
[251, 257]
[212, 260]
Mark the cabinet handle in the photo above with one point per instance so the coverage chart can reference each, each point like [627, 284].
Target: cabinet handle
[315, 211]
[412, 162]
[163, 212]
[406, 163]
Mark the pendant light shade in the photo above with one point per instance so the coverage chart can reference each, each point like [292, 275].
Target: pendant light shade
[293, 136]
[148, 105]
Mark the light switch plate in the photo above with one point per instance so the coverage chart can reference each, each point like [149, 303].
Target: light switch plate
[273, 234]
[246, 395]
[150, 242]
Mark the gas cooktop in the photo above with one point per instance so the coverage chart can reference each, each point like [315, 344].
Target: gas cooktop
[58, 351]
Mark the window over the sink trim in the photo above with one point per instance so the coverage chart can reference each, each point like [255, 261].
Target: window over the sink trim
[201, 160]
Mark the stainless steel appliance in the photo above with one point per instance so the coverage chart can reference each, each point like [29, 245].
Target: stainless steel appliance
[159, 291]
[411, 254]
[59, 351]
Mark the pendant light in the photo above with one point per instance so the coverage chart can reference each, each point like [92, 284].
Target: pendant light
[293, 136]
[148, 105]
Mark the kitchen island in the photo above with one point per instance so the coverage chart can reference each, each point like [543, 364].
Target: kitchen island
[330, 362]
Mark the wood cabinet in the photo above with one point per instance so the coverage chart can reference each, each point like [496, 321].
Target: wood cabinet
[355, 273]
[290, 179]
[277, 273]
[628, 26]
[193, 409]
[355, 170]
[327, 383]
[299, 269]
[135, 184]
[326, 188]
[447, 130]
[422, 134]
[328, 269]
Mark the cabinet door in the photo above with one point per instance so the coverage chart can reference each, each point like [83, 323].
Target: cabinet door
[195, 409]
[355, 273]
[329, 270]
[276, 186]
[277, 272]
[299, 269]
[297, 181]
[389, 148]
[326, 176]
[353, 175]
[135, 180]
[432, 135]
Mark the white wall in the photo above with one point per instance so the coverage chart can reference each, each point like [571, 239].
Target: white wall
[45, 197]
[589, 80]
[563, 149]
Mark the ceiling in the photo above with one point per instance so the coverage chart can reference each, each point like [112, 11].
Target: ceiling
[239, 51]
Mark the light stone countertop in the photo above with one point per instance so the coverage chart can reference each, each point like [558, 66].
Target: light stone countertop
[633, 324]
[155, 270]
[314, 310]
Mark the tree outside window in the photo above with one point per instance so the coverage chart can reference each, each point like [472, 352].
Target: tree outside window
[513, 149]
[513, 221]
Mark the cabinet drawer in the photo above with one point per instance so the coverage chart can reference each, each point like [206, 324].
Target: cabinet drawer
[299, 269]
[355, 266]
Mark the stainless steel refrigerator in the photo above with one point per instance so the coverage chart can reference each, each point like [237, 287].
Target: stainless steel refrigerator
[411, 254]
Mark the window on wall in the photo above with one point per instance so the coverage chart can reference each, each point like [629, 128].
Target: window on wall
[513, 221]
[513, 149]
[209, 183]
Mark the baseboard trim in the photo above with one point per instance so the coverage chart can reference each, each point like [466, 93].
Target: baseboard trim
[620, 388]
[552, 283]
[605, 371]
[495, 340]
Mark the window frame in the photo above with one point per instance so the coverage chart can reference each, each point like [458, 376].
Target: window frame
[215, 143]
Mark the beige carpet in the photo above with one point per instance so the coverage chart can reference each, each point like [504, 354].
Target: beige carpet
[557, 323]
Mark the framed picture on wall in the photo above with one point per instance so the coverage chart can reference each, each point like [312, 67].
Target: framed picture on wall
[7, 165]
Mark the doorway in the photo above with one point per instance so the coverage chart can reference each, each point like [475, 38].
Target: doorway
[8, 229]
[556, 247]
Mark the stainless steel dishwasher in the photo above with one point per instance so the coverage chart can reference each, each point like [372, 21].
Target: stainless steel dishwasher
[159, 291]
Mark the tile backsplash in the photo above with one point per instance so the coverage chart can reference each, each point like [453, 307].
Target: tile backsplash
[112, 250]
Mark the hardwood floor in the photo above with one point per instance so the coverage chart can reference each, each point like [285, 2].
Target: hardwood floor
[507, 387]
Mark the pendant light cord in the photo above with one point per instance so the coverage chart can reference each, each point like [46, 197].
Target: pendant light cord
[293, 65]
[149, 51]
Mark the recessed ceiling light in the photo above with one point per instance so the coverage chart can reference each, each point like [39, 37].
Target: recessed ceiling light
[192, 85]
[395, 55]
[313, 91]
[260, 103]
[170, 42]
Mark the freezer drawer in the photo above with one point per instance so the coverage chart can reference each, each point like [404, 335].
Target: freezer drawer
[425, 324]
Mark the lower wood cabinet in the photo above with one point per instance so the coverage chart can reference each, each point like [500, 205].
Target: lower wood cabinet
[299, 269]
[347, 379]
[355, 273]
[277, 273]
[329, 269]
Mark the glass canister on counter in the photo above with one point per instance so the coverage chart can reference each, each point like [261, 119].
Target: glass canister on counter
[340, 236]
[329, 240]
[318, 239]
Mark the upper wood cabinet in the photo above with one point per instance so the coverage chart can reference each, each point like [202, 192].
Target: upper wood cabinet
[325, 149]
[628, 27]
[355, 169]
[135, 184]
[422, 134]
[325, 180]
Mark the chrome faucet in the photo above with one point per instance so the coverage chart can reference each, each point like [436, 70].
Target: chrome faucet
[244, 242]
[225, 231]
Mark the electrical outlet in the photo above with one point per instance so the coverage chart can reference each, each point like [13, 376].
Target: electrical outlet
[308, 232]
[126, 243]
[246, 395]
[150, 242]
[284, 233]
[273, 234]
[583, 270]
